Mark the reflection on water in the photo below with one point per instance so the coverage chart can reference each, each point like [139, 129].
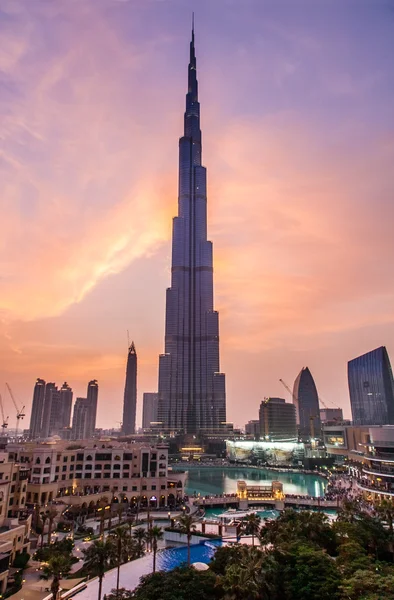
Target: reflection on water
[218, 480]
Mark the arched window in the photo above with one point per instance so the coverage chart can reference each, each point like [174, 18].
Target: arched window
[89, 457]
[117, 467]
[47, 460]
[38, 461]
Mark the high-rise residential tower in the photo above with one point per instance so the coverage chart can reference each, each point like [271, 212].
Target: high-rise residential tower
[66, 398]
[307, 405]
[37, 409]
[149, 409]
[371, 388]
[277, 420]
[49, 398]
[92, 398]
[130, 392]
[192, 396]
[80, 424]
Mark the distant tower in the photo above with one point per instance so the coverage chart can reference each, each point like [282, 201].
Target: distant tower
[149, 409]
[371, 388]
[37, 409]
[92, 397]
[308, 404]
[50, 390]
[130, 392]
[66, 398]
[80, 424]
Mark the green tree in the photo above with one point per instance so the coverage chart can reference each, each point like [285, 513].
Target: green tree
[181, 583]
[57, 567]
[292, 526]
[224, 557]
[251, 525]
[120, 538]
[306, 573]
[44, 519]
[51, 514]
[368, 585]
[352, 557]
[187, 526]
[140, 536]
[155, 534]
[253, 576]
[98, 558]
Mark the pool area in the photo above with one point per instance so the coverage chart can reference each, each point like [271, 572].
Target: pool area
[173, 557]
[223, 480]
[131, 573]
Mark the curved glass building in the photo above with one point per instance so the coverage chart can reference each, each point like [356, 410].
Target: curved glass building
[371, 388]
[307, 405]
[192, 394]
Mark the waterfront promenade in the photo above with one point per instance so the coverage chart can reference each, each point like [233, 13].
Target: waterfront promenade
[231, 500]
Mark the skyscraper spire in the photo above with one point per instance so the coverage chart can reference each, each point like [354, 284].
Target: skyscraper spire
[191, 390]
[130, 392]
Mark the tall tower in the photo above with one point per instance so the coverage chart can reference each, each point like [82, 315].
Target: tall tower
[37, 409]
[307, 404]
[130, 392]
[92, 397]
[192, 394]
[66, 398]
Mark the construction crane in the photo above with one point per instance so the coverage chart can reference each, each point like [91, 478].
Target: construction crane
[19, 412]
[5, 420]
[295, 400]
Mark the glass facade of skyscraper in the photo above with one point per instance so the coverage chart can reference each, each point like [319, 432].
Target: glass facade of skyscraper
[306, 400]
[371, 388]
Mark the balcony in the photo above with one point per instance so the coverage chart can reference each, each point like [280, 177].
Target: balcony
[368, 486]
[379, 471]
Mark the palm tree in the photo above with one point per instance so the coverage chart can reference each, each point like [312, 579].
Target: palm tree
[155, 534]
[130, 521]
[120, 538]
[139, 535]
[102, 511]
[251, 525]
[98, 557]
[187, 526]
[44, 518]
[120, 511]
[57, 566]
[52, 513]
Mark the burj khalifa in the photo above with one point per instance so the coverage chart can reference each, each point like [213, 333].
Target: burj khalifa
[192, 393]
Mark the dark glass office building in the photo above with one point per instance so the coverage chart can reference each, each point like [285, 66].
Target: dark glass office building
[371, 388]
[306, 400]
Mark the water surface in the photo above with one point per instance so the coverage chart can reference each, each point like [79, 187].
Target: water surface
[219, 480]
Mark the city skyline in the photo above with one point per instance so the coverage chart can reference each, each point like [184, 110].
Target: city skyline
[299, 141]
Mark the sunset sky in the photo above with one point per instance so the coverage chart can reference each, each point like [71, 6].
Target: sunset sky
[297, 105]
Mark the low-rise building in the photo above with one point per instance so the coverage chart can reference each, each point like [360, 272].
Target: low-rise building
[345, 442]
[14, 521]
[84, 472]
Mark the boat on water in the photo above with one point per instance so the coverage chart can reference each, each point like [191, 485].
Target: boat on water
[233, 515]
